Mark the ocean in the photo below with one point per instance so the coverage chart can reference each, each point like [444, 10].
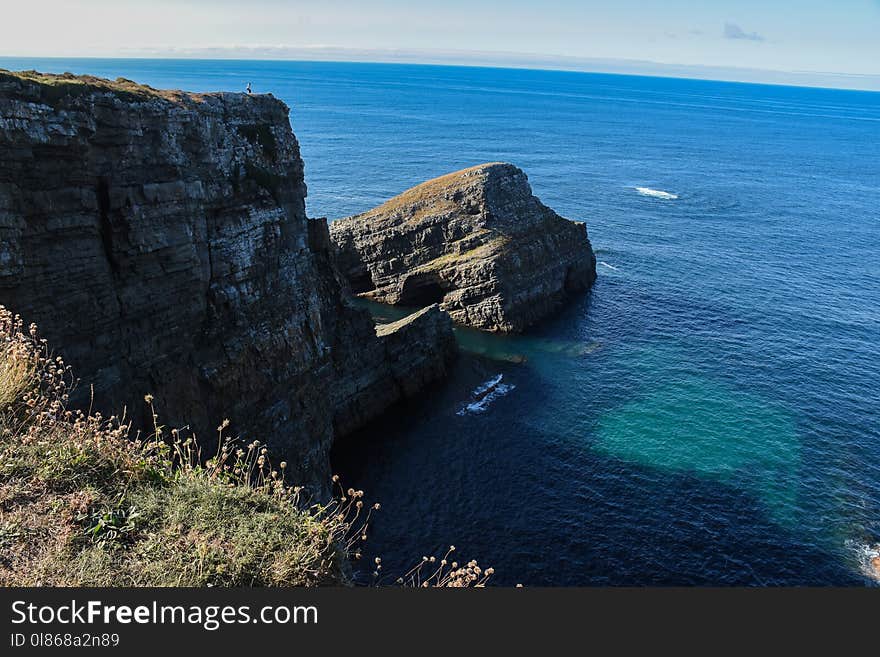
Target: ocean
[708, 414]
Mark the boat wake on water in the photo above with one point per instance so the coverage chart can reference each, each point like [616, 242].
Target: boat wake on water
[657, 193]
[486, 393]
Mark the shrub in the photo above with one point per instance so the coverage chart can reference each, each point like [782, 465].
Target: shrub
[83, 503]
[445, 572]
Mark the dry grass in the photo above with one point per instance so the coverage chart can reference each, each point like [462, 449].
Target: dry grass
[435, 187]
[444, 572]
[426, 200]
[70, 84]
[83, 503]
[494, 244]
[16, 374]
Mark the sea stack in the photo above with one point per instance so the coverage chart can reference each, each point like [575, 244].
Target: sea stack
[477, 241]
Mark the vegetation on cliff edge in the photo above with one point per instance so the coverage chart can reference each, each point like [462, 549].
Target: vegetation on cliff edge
[56, 86]
[83, 503]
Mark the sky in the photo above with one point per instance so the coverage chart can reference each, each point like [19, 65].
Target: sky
[822, 42]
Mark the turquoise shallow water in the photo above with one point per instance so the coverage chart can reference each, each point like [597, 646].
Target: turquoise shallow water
[709, 413]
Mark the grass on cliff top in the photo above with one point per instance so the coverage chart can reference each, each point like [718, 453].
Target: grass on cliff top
[82, 503]
[58, 85]
[494, 244]
[429, 198]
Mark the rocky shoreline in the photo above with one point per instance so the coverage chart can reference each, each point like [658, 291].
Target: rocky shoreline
[160, 239]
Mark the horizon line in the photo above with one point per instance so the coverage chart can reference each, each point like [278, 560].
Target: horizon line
[498, 60]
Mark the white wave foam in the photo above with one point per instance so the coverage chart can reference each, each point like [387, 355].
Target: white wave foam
[605, 264]
[866, 556]
[486, 393]
[480, 391]
[656, 193]
[869, 559]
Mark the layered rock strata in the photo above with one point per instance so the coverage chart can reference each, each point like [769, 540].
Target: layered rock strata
[478, 242]
[160, 241]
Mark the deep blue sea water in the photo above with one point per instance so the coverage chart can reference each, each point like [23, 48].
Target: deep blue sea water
[709, 413]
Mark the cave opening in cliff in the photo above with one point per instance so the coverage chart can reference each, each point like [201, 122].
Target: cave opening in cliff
[422, 290]
[361, 282]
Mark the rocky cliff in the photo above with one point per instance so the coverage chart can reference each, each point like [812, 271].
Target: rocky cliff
[477, 241]
[416, 351]
[374, 366]
[161, 242]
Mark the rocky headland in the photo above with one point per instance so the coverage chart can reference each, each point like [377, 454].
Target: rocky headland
[478, 242]
[160, 240]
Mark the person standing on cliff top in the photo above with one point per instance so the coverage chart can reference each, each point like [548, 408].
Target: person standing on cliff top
[249, 87]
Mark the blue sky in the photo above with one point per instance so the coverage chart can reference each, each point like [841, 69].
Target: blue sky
[806, 38]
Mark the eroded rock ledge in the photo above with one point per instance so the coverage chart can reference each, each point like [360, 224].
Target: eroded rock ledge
[416, 351]
[478, 242]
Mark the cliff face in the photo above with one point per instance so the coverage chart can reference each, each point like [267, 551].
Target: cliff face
[374, 366]
[476, 241]
[161, 242]
[416, 351]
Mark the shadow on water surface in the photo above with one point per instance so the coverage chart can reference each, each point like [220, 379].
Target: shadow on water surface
[504, 348]
[555, 482]
[545, 510]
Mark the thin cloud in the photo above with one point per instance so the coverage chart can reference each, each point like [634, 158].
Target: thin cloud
[734, 31]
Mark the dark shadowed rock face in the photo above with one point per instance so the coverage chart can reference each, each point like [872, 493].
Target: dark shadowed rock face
[416, 351]
[160, 241]
[476, 241]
